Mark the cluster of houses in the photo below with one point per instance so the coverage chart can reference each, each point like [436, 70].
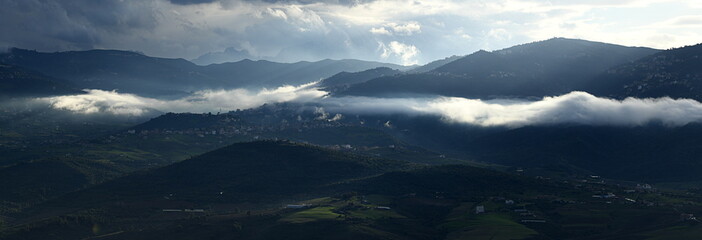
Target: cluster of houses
[242, 123]
[187, 210]
[525, 216]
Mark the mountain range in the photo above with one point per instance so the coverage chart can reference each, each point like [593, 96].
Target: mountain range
[132, 72]
[228, 55]
[551, 67]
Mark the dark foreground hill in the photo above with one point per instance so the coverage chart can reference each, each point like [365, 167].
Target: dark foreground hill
[29, 183]
[550, 67]
[243, 191]
[247, 172]
[652, 152]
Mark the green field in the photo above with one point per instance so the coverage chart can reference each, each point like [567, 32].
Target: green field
[311, 215]
[489, 226]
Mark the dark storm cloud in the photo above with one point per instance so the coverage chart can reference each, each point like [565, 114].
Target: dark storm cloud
[340, 2]
[188, 2]
[185, 28]
[75, 24]
[398, 31]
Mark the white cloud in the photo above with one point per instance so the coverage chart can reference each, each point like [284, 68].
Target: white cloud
[572, 108]
[304, 19]
[405, 52]
[686, 21]
[462, 34]
[499, 34]
[278, 13]
[575, 107]
[407, 29]
[99, 101]
[380, 31]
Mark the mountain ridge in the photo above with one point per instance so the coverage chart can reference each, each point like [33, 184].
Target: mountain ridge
[133, 72]
[529, 70]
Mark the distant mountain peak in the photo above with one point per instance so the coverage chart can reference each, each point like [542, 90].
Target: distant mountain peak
[229, 54]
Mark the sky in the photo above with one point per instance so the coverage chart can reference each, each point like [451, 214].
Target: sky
[397, 31]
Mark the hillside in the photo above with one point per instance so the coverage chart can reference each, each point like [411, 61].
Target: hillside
[549, 67]
[25, 184]
[652, 153]
[344, 79]
[441, 202]
[637, 153]
[434, 64]
[260, 172]
[112, 69]
[675, 73]
[19, 82]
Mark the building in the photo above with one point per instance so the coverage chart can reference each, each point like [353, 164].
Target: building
[480, 209]
[687, 217]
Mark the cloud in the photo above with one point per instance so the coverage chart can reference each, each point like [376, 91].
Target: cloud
[302, 18]
[575, 107]
[406, 52]
[294, 30]
[99, 101]
[499, 34]
[571, 108]
[188, 2]
[694, 20]
[407, 29]
[111, 102]
[67, 25]
[687, 21]
[380, 31]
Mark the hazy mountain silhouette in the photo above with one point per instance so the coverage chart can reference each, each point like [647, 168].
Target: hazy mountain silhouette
[434, 64]
[269, 74]
[549, 67]
[137, 73]
[228, 55]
